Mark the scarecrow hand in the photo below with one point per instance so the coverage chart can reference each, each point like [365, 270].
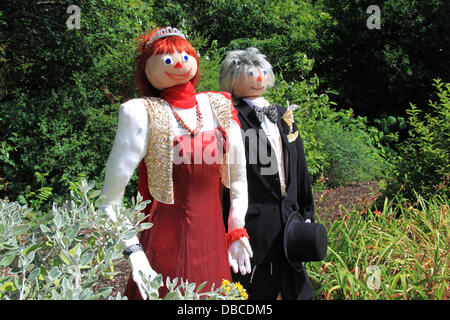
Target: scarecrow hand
[239, 254]
[139, 262]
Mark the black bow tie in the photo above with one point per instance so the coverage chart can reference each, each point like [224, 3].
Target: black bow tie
[271, 112]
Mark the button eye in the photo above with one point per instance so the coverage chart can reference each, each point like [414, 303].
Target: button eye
[265, 72]
[250, 73]
[167, 59]
[185, 56]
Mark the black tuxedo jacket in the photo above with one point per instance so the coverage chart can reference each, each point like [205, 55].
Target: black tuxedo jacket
[268, 210]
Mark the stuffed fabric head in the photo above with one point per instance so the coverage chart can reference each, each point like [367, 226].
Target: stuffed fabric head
[246, 73]
[165, 59]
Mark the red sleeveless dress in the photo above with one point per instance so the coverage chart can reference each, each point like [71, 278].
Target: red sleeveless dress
[187, 239]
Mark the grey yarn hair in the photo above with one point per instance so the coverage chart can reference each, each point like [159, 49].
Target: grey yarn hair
[238, 62]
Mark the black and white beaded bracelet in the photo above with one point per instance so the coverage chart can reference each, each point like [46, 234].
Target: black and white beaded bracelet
[133, 248]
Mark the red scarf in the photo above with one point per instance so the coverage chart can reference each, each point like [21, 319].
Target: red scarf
[181, 96]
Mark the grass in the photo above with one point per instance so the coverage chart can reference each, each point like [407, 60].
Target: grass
[400, 252]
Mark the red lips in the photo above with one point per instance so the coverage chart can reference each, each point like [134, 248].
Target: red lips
[178, 77]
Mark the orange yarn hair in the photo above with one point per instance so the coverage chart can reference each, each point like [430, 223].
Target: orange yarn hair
[159, 46]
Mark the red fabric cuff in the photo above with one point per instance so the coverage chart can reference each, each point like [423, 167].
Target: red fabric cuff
[235, 234]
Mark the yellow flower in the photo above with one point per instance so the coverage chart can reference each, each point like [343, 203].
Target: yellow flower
[225, 283]
[238, 286]
[235, 290]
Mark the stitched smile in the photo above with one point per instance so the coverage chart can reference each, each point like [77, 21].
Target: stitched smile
[258, 88]
[183, 76]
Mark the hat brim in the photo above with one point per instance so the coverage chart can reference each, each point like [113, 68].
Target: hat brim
[295, 216]
[303, 242]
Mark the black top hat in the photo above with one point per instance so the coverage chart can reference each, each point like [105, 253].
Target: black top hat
[303, 241]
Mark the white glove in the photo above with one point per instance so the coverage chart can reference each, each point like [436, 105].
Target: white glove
[138, 262]
[239, 254]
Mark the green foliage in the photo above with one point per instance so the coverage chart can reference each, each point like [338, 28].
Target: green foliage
[284, 31]
[60, 88]
[423, 165]
[400, 252]
[65, 257]
[311, 105]
[351, 155]
[59, 107]
[59, 104]
[339, 147]
[391, 130]
[38, 198]
[378, 72]
[210, 68]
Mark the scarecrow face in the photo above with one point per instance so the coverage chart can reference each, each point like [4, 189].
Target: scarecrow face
[170, 69]
[251, 84]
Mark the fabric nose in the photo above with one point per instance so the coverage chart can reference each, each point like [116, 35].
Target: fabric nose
[178, 65]
[259, 79]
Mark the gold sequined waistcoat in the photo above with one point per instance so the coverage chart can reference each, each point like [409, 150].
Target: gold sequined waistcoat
[159, 157]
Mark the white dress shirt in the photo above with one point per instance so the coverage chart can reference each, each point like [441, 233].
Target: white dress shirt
[273, 134]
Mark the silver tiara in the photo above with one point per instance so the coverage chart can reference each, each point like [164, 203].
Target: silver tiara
[165, 32]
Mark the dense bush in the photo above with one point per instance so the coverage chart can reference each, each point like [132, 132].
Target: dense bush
[60, 89]
[379, 71]
[339, 146]
[423, 165]
[284, 31]
[391, 130]
[400, 252]
[63, 88]
[59, 108]
[376, 72]
[351, 153]
[65, 256]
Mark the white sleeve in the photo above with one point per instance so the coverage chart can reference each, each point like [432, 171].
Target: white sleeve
[130, 146]
[238, 178]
